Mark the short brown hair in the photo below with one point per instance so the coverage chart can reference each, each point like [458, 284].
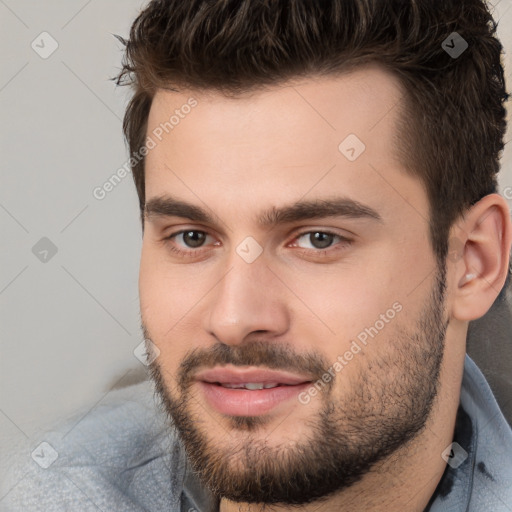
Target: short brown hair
[453, 116]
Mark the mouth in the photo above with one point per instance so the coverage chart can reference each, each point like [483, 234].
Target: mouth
[249, 385]
[249, 392]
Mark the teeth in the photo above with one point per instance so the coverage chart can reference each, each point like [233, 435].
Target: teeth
[233, 386]
[251, 385]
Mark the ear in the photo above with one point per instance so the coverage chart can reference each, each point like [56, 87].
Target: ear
[480, 252]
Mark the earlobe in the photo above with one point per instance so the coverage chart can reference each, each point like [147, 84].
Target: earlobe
[485, 234]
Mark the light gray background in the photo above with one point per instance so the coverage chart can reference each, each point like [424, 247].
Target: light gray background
[69, 325]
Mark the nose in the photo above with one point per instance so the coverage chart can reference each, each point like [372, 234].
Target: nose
[247, 300]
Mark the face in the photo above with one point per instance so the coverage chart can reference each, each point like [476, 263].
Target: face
[288, 283]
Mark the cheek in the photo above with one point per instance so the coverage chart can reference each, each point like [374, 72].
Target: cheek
[364, 303]
[154, 296]
[340, 301]
[167, 296]
[161, 310]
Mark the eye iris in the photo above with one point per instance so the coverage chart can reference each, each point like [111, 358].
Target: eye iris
[320, 240]
[193, 238]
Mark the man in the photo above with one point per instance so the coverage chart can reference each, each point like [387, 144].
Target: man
[317, 187]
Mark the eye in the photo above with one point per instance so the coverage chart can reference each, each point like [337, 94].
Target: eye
[319, 240]
[191, 238]
[188, 242]
[321, 244]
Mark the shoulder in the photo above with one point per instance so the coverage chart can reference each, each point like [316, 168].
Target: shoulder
[121, 455]
[492, 457]
[478, 474]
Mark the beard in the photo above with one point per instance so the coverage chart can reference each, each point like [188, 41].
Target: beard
[385, 406]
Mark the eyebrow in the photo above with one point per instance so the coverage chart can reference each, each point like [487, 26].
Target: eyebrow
[168, 206]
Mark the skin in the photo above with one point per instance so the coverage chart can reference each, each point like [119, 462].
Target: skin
[238, 157]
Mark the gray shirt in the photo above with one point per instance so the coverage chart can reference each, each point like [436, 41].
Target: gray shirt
[122, 456]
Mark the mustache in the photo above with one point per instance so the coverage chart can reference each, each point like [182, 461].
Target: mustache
[276, 356]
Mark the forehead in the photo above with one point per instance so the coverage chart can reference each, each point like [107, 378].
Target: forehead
[284, 141]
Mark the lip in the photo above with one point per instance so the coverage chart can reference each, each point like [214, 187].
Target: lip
[233, 375]
[244, 402]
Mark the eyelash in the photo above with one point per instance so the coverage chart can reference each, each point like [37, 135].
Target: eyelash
[317, 252]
